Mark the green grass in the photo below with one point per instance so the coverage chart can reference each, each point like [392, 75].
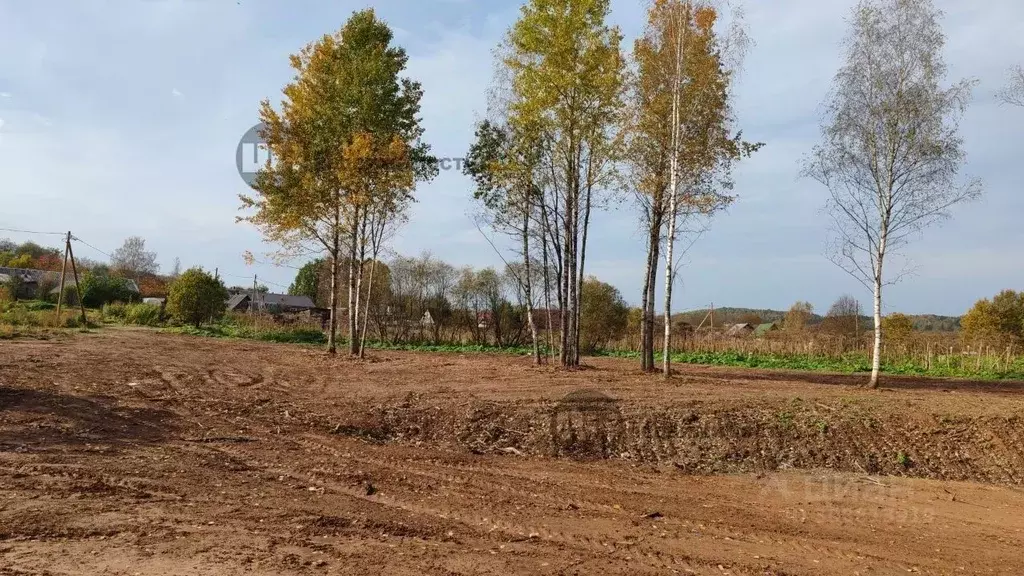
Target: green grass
[853, 363]
[285, 336]
[31, 316]
[850, 364]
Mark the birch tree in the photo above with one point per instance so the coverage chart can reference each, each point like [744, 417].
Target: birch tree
[681, 145]
[566, 74]
[347, 100]
[891, 152]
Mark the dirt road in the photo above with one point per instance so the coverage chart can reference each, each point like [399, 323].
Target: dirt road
[130, 452]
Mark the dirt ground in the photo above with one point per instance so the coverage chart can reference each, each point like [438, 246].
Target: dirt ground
[134, 452]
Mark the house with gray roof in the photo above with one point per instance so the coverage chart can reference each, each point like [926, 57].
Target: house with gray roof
[268, 302]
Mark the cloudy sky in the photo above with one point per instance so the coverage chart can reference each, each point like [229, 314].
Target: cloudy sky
[121, 117]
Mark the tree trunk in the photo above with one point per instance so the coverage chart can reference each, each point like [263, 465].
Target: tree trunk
[651, 297]
[670, 244]
[566, 303]
[673, 191]
[547, 290]
[647, 296]
[353, 293]
[527, 284]
[580, 272]
[876, 356]
[332, 334]
[360, 239]
[366, 313]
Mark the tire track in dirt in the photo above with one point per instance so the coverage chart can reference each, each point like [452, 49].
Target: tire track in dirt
[656, 557]
[478, 525]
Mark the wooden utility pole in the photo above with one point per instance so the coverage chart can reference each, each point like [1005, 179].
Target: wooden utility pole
[68, 253]
[78, 285]
[63, 270]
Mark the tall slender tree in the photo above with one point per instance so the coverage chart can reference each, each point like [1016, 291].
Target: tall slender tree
[504, 169]
[566, 75]
[347, 129]
[681, 142]
[891, 152]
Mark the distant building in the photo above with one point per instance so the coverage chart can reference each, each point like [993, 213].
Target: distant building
[268, 302]
[739, 330]
[28, 280]
[764, 329]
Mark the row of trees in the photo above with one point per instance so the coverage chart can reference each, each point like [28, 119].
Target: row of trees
[573, 118]
[102, 283]
[999, 320]
[423, 298]
[131, 259]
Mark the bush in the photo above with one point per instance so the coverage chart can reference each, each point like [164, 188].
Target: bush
[12, 288]
[897, 327]
[115, 310]
[196, 297]
[604, 315]
[46, 285]
[1000, 319]
[142, 315]
[98, 289]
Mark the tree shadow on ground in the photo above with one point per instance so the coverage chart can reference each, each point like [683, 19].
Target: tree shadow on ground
[33, 420]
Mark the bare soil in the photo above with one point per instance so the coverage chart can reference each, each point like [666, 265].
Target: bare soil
[134, 452]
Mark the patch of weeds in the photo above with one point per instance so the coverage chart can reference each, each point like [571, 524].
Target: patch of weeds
[903, 460]
[786, 419]
[822, 426]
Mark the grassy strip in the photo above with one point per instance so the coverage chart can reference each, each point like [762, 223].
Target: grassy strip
[249, 333]
[849, 363]
[316, 337]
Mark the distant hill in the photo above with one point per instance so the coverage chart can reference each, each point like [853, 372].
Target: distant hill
[935, 323]
[726, 316]
[729, 315]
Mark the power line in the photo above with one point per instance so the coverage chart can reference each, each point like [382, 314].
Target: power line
[32, 232]
[77, 239]
[256, 275]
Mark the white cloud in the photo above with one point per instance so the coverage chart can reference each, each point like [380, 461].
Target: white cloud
[5, 94]
[176, 93]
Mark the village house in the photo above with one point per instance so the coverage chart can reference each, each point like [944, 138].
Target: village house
[739, 330]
